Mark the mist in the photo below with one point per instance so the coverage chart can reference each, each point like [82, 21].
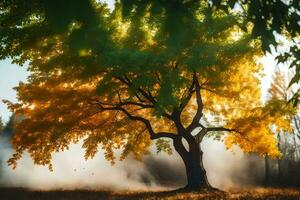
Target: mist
[225, 170]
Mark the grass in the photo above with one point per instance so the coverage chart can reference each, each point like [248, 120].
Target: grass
[259, 193]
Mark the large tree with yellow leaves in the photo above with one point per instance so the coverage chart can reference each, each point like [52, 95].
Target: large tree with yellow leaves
[119, 79]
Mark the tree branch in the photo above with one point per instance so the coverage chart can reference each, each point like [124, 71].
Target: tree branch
[221, 129]
[296, 121]
[210, 90]
[199, 114]
[146, 95]
[126, 103]
[119, 96]
[186, 98]
[205, 130]
[146, 122]
[139, 98]
[127, 82]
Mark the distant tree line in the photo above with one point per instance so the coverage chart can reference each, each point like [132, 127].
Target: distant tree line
[285, 171]
[6, 129]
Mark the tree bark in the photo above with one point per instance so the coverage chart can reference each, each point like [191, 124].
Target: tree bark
[267, 171]
[196, 174]
[192, 158]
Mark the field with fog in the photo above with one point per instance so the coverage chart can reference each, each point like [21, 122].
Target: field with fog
[241, 176]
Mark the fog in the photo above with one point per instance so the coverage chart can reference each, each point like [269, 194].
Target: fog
[225, 170]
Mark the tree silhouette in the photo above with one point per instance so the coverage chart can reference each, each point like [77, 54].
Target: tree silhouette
[145, 71]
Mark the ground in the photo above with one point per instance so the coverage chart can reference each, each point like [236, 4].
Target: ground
[257, 194]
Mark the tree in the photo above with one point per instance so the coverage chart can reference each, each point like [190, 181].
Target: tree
[170, 70]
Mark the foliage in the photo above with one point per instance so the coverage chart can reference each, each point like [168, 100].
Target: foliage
[270, 18]
[163, 145]
[291, 59]
[123, 78]
[267, 17]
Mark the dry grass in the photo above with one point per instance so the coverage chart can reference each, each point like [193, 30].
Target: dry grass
[259, 193]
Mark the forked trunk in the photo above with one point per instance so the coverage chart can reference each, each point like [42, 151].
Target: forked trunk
[195, 172]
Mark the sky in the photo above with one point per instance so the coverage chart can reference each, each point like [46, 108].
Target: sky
[10, 76]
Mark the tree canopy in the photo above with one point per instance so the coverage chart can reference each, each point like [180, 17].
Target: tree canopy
[268, 18]
[118, 79]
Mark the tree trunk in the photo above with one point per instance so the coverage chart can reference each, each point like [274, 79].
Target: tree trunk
[192, 158]
[195, 172]
[279, 160]
[267, 171]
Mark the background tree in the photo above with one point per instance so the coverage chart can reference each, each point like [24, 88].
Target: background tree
[8, 129]
[288, 142]
[123, 78]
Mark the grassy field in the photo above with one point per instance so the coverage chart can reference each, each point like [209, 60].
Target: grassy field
[260, 193]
